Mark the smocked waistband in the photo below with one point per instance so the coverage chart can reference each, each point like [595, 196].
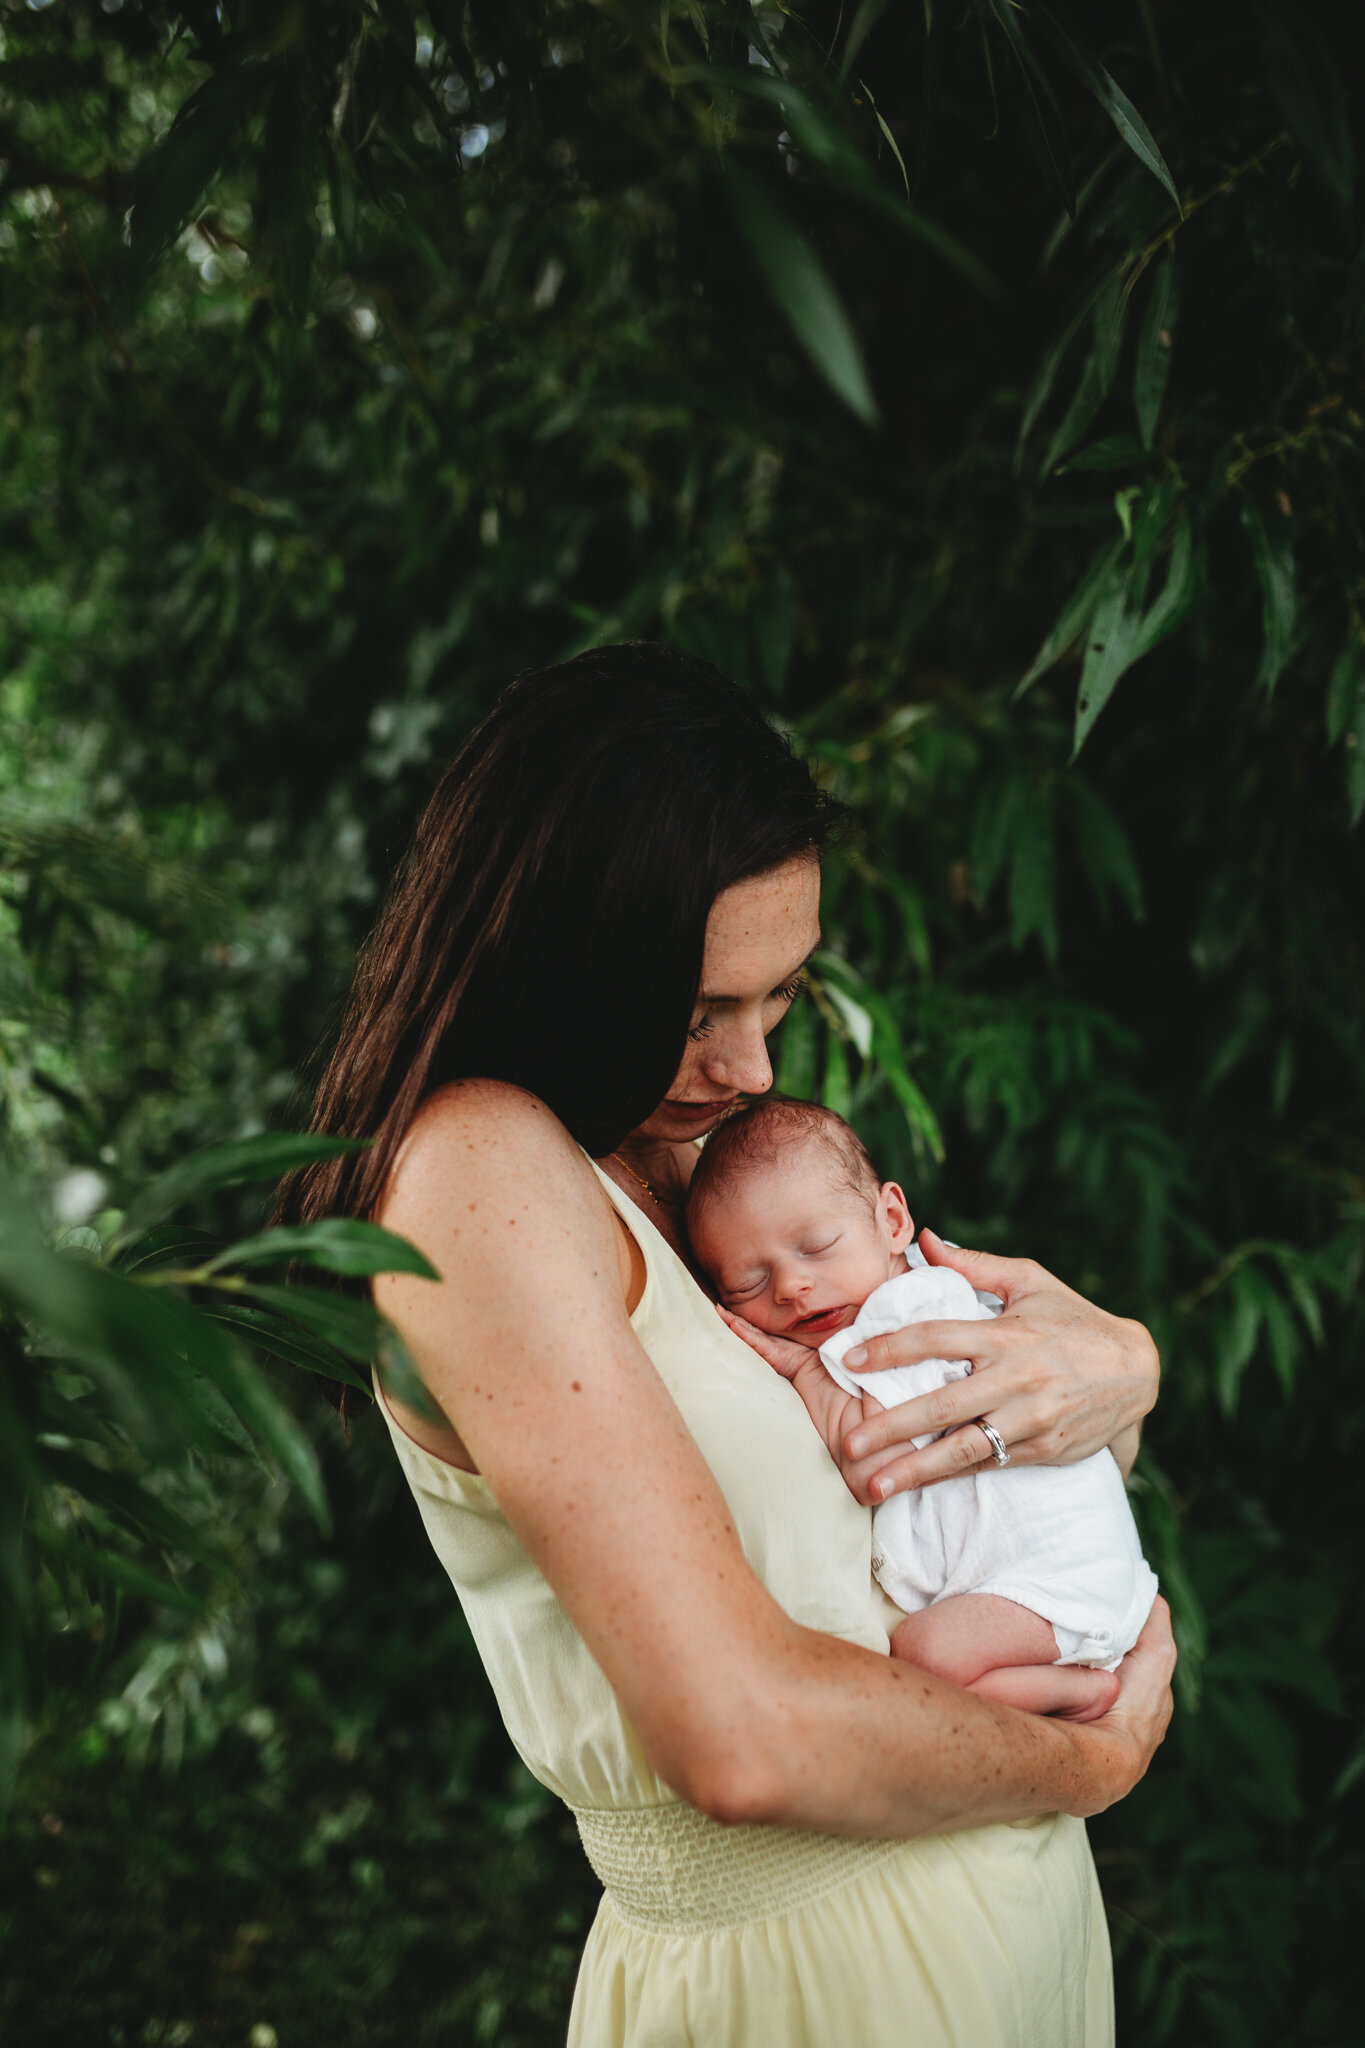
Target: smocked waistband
[671, 1870]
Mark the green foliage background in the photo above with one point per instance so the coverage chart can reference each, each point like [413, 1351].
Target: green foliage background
[1008, 441]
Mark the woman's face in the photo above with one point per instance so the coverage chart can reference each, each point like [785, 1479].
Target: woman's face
[759, 936]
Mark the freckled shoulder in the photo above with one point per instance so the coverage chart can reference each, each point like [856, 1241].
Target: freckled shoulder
[488, 1163]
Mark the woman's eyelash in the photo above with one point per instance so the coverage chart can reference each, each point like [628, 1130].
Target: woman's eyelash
[787, 993]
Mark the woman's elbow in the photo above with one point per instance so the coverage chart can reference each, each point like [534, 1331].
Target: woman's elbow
[740, 1782]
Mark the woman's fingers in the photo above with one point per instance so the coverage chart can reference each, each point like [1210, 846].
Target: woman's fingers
[1005, 1277]
[999, 1393]
[917, 1341]
[1135, 1726]
[880, 1459]
[1145, 1678]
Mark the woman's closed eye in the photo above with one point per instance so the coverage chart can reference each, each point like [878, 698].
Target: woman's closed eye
[785, 993]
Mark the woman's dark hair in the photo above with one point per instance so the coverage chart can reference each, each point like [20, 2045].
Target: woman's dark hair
[547, 924]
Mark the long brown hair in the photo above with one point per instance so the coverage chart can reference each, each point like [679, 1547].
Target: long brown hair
[547, 924]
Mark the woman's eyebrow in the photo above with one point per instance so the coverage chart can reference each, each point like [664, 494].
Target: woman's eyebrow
[799, 968]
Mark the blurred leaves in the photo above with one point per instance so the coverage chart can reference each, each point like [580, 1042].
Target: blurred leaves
[114, 1373]
[802, 288]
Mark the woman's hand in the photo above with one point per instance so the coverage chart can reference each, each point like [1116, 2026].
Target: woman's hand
[1056, 1376]
[1129, 1735]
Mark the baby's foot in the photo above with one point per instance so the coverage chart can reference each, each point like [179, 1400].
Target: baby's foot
[1068, 1692]
[1095, 1693]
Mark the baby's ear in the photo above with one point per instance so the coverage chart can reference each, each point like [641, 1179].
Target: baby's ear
[894, 1211]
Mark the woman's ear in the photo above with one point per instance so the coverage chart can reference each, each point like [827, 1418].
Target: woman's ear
[894, 1212]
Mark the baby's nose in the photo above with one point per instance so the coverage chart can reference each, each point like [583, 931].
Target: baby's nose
[792, 1286]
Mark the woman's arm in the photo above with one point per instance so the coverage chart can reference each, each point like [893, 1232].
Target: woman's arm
[527, 1346]
[1058, 1377]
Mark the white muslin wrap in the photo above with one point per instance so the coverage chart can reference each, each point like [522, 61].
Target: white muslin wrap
[1058, 1539]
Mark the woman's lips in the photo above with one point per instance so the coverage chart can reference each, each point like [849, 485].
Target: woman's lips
[700, 1112]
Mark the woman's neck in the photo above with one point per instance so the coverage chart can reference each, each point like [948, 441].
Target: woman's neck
[655, 1175]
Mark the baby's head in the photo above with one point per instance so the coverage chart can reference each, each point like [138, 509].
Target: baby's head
[788, 1216]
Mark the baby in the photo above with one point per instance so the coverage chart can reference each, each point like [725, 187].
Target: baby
[1028, 1584]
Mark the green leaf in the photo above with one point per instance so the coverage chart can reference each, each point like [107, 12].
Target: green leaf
[1133, 130]
[129, 1340]
[355, 1328]
[169, 183]
[854, 1018]
[865, 18]
[1053, 357]
[1115, 451]
[1097, 374]
[888, 138]
[1106, 851]
[210, 1350]
[1032, 875]
[170, 1244]
[1154, 349]
[1121, 633]
[1346, 721]
[848, 989]
[796, 1052]
[823, 142]
[1074, 616]
[802, 288]
[266, 1157]
[1273, 553]
[923, 1124]
[1344, 690]
[339, 1244]
[835, 1091]
[401, 1381]
[99, 1564]
[130, 1504]
[289, 1343]
[1041, 115]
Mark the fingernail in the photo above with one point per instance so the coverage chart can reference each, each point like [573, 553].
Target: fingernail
[857, 1447]
[880, 1488]
[927, 1232]
[856, 1357]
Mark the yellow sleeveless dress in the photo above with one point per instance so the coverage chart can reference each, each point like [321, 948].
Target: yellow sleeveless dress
[757, 1937]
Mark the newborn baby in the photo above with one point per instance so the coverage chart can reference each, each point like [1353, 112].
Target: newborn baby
[1026, 1584]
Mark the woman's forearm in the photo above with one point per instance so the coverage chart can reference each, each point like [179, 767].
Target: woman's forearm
[848, 1742]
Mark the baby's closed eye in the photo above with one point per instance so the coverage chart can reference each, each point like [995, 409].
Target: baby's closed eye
[743, 1290]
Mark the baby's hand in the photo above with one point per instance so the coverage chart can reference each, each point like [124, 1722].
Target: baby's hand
[781, 1353]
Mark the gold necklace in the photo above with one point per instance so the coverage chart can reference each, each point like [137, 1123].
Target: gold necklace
[637, 1176]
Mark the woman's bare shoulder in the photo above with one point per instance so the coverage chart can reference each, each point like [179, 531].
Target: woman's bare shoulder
[489, 1148]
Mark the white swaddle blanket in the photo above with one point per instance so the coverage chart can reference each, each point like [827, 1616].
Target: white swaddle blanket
[1059, 1539]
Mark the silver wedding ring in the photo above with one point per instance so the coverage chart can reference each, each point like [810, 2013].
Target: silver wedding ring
[999, 1448]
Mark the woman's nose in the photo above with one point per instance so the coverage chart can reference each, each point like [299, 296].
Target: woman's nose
[740, 1061]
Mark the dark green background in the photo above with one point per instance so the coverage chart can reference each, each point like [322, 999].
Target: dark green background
[428, 346]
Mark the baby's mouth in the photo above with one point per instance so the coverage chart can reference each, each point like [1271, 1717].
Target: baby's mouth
[823, 1321]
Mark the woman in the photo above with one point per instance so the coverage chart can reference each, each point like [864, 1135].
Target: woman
[606, 910]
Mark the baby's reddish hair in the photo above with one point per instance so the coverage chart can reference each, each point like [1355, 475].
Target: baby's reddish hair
[760, 1134]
